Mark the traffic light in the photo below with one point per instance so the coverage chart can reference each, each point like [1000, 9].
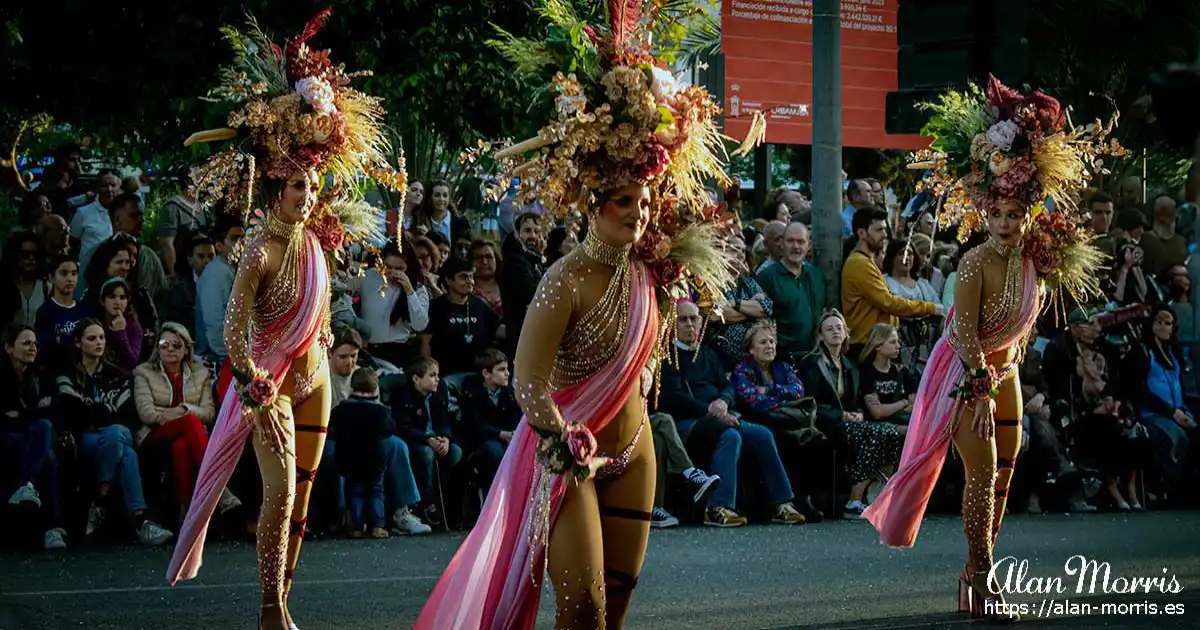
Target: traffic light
[947, 44]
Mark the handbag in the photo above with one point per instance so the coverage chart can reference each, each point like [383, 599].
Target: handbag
[798, 419]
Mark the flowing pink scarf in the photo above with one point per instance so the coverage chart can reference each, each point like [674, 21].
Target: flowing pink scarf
[494, 582]
[297, 330]
[898, 510]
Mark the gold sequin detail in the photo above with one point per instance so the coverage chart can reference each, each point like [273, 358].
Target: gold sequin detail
[593, 341]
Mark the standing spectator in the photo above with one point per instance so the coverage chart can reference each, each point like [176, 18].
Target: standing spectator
[95, 408]
[747, 305]
[866, 298]
[489, 413]
[1130, 224]
[122, 330]
[1156, 381]
[858, 193]
[429, 258]
[460, 324]
[22, 289]
[412, 201]
[26, 430]
[423, 418]
[179, 215]
[1129, 192]
[361, 425]
[1133, 285]
[174, 399]
[562, 241]
[1100, 204]
[92, 223]
[57, 318]
[1163, 247]
[523, 270]
[213, 288]
[443, 246]
[395, 308]
[797, 292]
[127, 219]
[486, 259]
[199, 251]
[436, 214]
[773, 235]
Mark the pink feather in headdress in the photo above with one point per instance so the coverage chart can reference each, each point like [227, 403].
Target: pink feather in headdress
[311, 29]
[625, 15]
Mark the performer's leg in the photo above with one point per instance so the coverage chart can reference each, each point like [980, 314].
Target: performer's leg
[576, 560]
[278, 486]
[1009, 407]
[312, 419]
[625, 504]
[979, 464]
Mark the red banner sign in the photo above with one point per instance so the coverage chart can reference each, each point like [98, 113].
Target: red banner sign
[768, 67]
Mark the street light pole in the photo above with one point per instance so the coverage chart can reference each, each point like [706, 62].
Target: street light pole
[827, 145]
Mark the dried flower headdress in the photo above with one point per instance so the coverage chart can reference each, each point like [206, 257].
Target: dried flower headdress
[293, 109]
[621, 118]
[996, 145]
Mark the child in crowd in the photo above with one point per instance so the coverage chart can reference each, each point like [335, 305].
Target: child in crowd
[57, 317]
[422, 412]
[489, 412]
[360, 424]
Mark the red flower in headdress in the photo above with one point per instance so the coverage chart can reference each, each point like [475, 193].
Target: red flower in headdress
[1004, 98]
[1048, 112]
[329, 232]
[652, 162]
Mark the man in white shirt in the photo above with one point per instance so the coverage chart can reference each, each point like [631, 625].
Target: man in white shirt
[91, 223]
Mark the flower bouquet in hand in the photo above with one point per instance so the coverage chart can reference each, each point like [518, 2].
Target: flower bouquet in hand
[571, 451]
[257, 390]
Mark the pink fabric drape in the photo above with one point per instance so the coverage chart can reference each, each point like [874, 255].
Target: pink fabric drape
[300, 328]
[899, 509]
[494, 582]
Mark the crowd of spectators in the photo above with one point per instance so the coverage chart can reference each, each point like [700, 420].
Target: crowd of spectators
[775, 406]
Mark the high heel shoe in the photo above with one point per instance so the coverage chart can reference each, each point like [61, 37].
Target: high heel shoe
[981, 602]
[260, 617]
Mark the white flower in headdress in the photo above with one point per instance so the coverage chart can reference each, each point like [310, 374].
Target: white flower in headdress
[317, 93]
[1002, 134]
[662, 84]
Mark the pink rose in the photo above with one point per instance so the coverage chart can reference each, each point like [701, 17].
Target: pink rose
[262, 391]
[581, 443]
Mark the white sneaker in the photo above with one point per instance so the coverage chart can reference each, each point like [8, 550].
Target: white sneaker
[854, 509]
[409, 524]
[228, 502]
[95, 520]
[55, 538]
[151, 534]
[26, 494]
[662, 519]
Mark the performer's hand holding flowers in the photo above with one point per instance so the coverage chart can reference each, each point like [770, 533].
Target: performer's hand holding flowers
[258, 395]
[570, 452]
[981, 386]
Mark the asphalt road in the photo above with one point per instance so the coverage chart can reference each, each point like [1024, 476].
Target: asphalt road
[831, 575]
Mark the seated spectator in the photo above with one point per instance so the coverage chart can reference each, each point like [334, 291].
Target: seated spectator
[559, 243]
[1045, 464]
[361, 425]
[22, 289]
[174, 399]
[343, 359]
[1081, 375]
[115, 259]
[460, 324]
[489, 413]
[429, 258]
[872, 447]
[26, 431]
[213, 289]
[888, 388]
[486, 259]
[57, 318]
[198, 250]
[95, 410]
[1156, 380]
[696, 372]
[442, 242]
[121, 328]
[148, 272]
[901, 265]
[423, 418]
[396, 308]
[524, 266]
[747, 305]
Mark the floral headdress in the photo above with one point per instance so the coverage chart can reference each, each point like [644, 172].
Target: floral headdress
[621, 118]
[998, 145]
[293, 109]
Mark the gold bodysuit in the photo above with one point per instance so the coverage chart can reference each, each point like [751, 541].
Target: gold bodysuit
[267, 288]
[575, 326]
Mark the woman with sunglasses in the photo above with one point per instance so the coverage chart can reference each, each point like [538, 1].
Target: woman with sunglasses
[173, 394]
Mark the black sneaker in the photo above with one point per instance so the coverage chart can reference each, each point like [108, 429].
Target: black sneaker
[432, 515]
[702, 484]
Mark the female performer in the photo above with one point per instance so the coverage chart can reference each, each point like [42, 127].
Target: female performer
[302, 120]
[1020, 154]
[630, 147]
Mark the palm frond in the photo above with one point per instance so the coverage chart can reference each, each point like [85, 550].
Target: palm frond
[530, 57]
[702, 40]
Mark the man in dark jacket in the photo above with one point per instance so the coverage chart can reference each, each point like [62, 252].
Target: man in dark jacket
[524, 266]
[489, 413]
[423, 419]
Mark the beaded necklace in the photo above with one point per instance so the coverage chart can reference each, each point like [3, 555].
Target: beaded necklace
[593, 341]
